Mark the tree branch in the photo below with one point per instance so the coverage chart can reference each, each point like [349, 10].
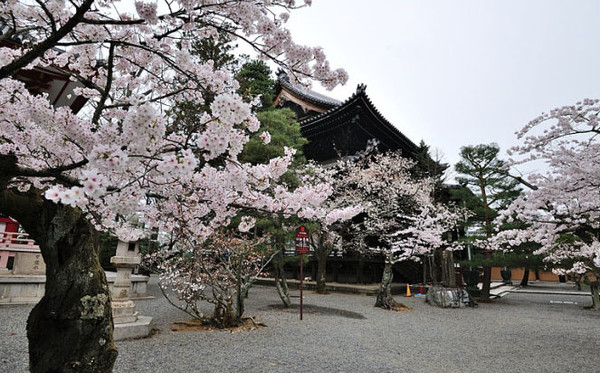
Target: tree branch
[40, 48]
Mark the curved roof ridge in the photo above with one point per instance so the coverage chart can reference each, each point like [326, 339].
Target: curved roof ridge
[363, 91]
[360, 93]
[340, 105]
[308, 94]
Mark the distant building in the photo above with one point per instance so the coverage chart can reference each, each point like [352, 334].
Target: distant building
[54, 82]
[345, 128]
[335, 128]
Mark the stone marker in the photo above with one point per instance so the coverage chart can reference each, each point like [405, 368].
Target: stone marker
[27, 263]
[128, 324]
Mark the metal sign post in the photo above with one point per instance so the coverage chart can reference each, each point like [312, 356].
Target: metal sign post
[302, 245]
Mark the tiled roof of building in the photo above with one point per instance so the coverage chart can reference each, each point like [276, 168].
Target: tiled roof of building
[359, 113]
[306, 94]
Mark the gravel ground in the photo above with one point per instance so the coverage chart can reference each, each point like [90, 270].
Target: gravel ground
[345, 333]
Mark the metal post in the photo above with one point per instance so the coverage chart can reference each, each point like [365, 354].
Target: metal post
[301, 283]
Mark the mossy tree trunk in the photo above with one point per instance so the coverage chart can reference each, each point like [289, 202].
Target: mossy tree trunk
[70, 329]
[324, 245]
[384, 296]
[595, 290]
[278, 261]
[321, 271]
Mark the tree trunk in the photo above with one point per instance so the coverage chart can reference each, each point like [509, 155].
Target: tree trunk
[70, 329]
[384, 297]
[486, 283]
[280, 281]
[487, 270]
[448, 271]
[321, 271]
[525, 280]
[326, 242]
[224, 315]
[241, 291]
[595, 295]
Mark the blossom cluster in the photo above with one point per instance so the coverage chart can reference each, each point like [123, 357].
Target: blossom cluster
[397, 211]
[123, 154]
[563, 211]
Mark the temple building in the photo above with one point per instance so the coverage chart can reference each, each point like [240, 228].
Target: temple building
[49, 80]
[335, 128]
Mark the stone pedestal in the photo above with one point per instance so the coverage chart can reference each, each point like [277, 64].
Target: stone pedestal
[29, 263]
[128, 325]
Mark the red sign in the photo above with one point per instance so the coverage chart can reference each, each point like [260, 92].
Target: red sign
[302, 240]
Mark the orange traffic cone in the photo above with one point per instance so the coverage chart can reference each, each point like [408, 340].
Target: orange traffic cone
[408, 294]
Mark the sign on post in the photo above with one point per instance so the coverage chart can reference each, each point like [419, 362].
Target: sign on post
[302, 241]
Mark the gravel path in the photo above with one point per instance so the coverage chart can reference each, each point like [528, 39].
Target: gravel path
[345, 333]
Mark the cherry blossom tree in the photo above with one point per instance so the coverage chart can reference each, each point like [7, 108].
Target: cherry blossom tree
[220, 273]
[65, 176]
[326, 229]
[563, 211]
[399, 219]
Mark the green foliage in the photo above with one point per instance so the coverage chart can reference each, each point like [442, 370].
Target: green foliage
[255, 79]
[285, 132]
[219, 50]
[490, 187]
[500, 259]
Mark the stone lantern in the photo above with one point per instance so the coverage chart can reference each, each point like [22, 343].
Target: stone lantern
[128, 324]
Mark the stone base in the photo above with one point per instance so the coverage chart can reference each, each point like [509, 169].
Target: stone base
[135, 330]
[21, 289]
[125, 319]
[449, 297]
[139, 285]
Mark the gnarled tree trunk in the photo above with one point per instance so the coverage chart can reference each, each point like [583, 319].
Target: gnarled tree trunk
[278, 261]
[70, 329]
[321, 256]
[595, 290]
[325, 243]
[525, 280]
[384, 296]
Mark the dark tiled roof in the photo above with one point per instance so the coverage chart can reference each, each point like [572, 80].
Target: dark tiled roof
[359, 110]
[306, 94]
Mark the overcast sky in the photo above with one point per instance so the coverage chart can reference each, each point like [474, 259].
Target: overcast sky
[455, 73]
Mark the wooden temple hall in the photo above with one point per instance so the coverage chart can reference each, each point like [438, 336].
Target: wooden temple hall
[345, 128]
[333, 126]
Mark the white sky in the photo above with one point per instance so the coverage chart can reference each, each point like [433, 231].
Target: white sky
[457, 73]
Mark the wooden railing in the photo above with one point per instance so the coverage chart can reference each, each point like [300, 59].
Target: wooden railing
[16, 240]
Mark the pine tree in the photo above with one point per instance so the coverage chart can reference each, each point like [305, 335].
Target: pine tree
[485, 175]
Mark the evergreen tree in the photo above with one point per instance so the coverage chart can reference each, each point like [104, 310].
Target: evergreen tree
[283, 131]
[485, 175]
[278, 130]
[255, 79]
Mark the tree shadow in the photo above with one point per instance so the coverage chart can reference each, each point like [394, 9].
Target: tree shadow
[317, 310]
